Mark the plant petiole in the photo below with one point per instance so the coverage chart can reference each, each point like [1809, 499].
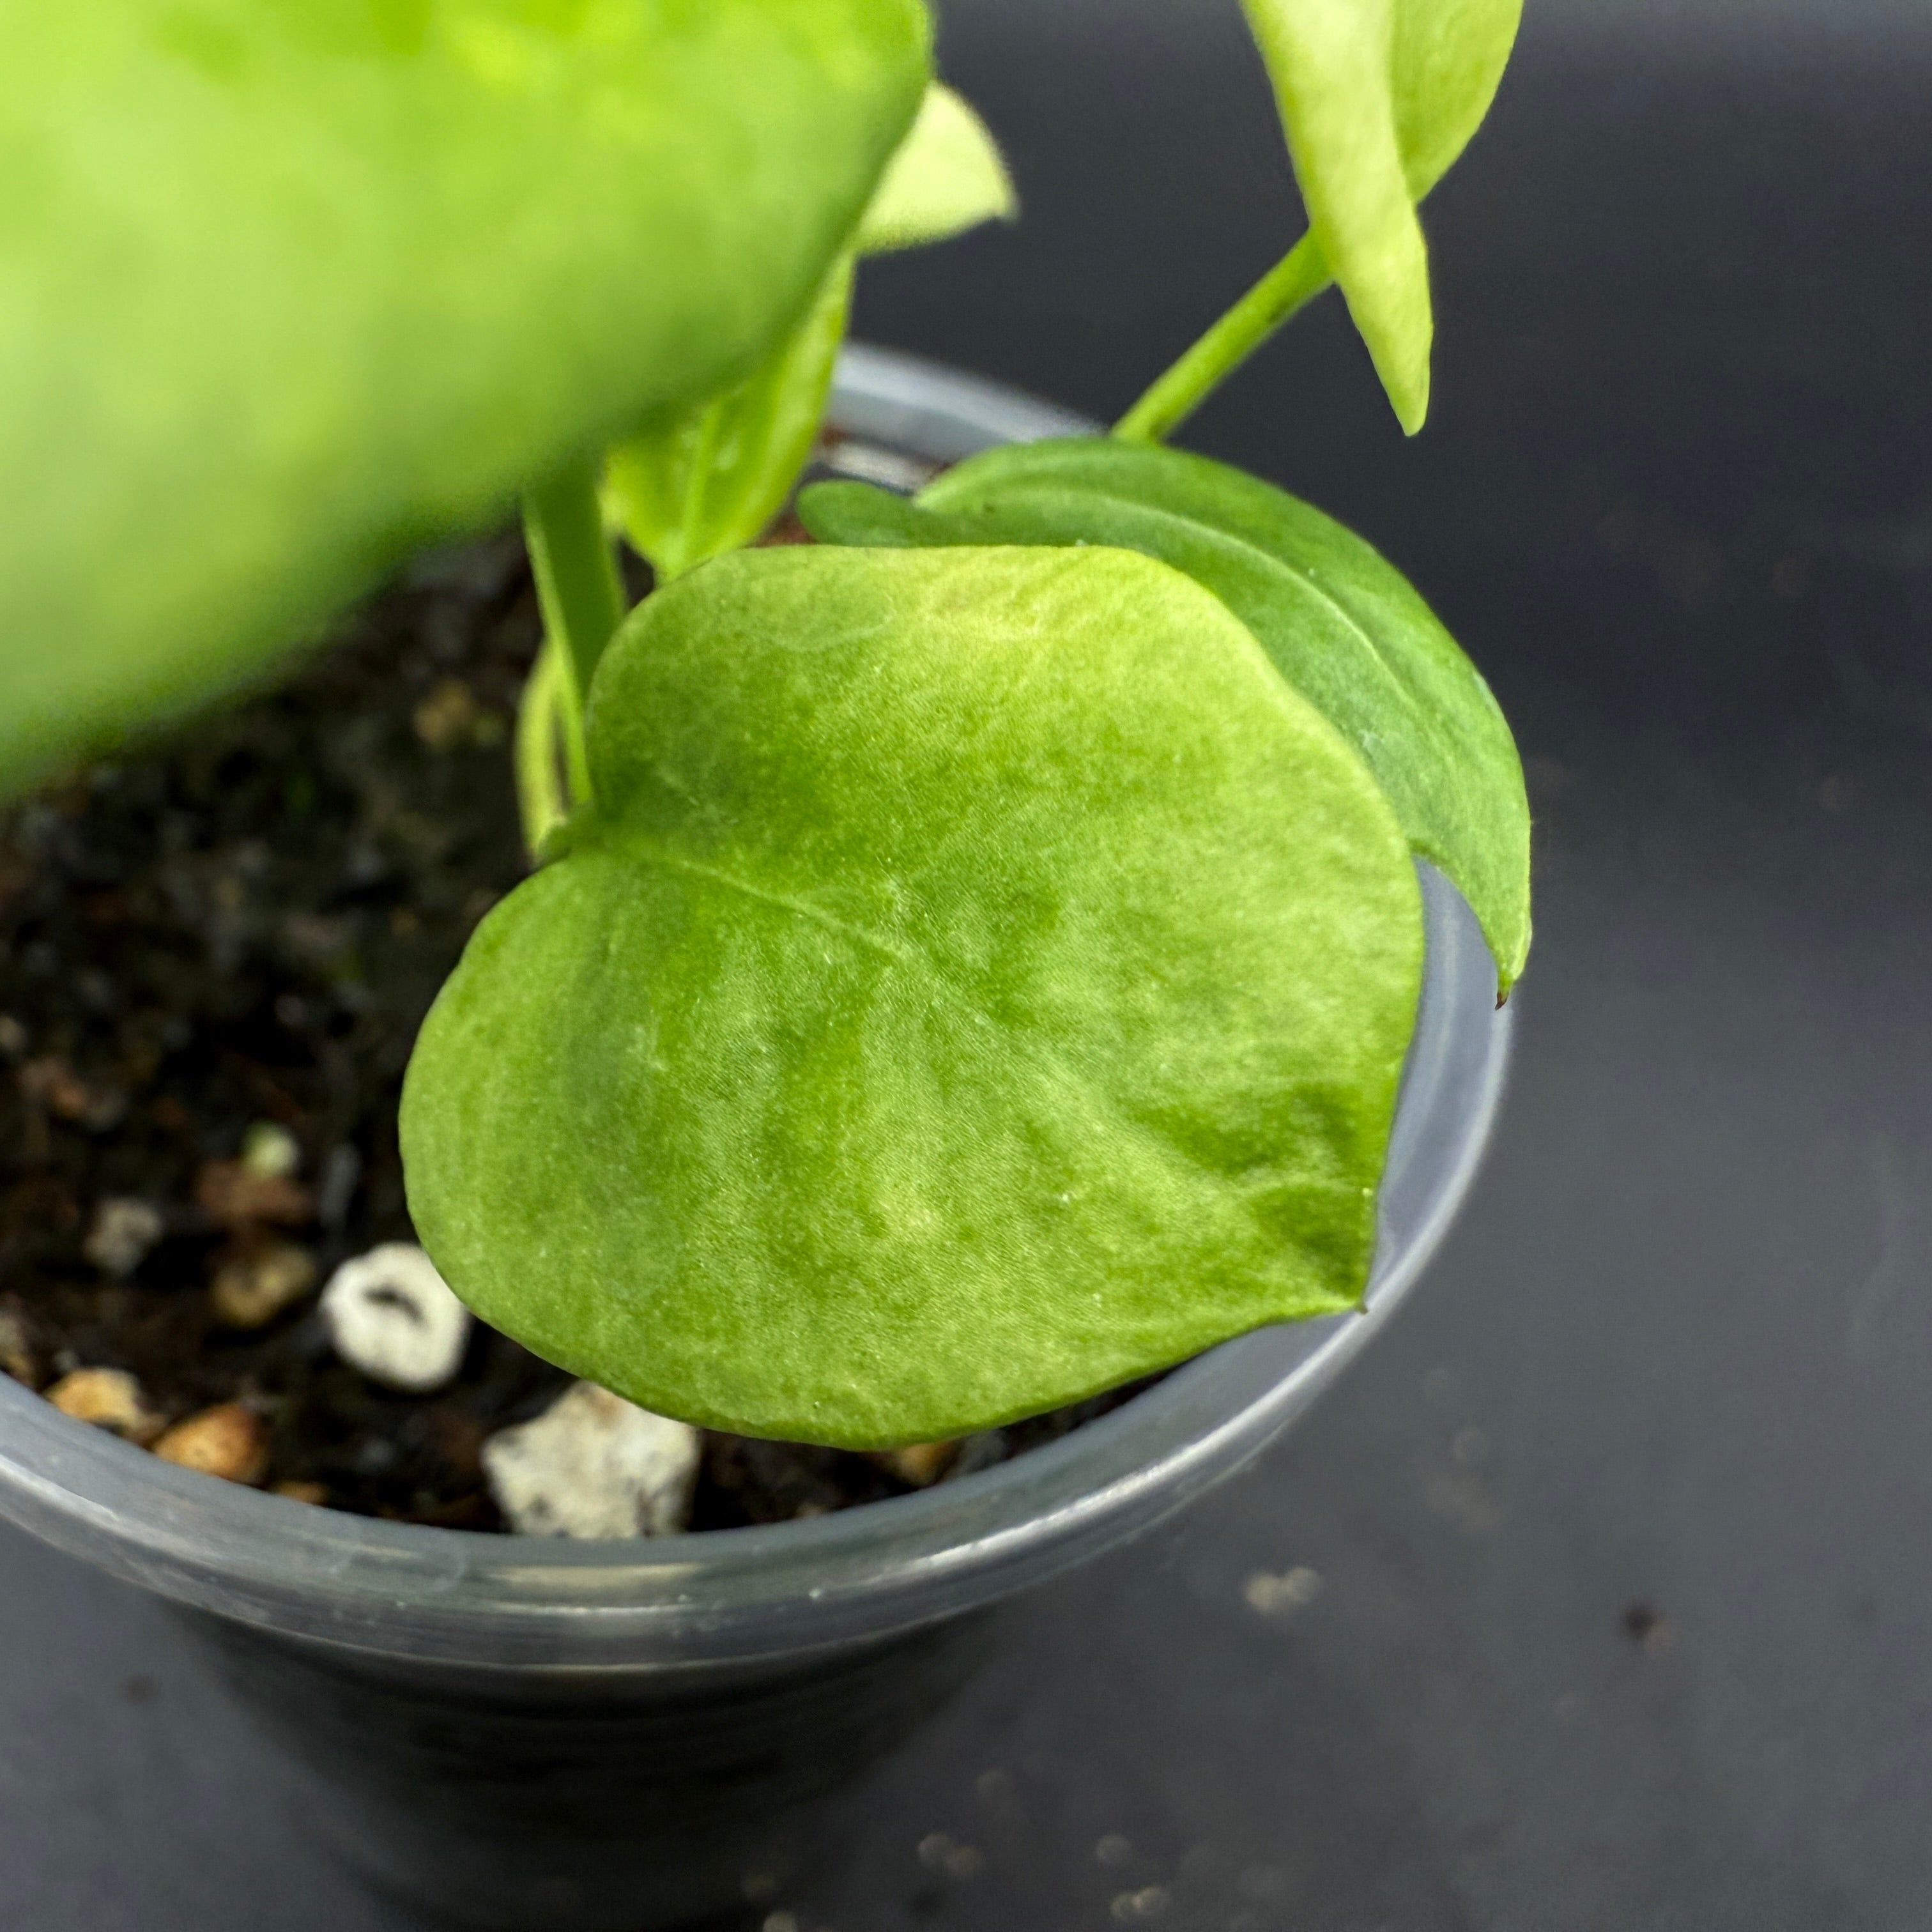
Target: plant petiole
[552, 772]
[577, 585]
[1293, 282]
[582, 599]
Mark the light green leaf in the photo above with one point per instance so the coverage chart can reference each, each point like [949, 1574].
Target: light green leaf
[984, 981]
[285, 290]
[1342, 626]
[947, 177]
[1378, 97]
[710, 479]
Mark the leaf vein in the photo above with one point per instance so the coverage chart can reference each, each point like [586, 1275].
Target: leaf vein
[904, 955]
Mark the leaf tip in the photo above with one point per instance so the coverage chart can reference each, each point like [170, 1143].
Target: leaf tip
[1408, 387]
[948, 176]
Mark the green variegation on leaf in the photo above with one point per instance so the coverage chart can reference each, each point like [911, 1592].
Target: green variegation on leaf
[707, 479]
[287, 290]
[1340, 624]
[1378, 97]
[983, 980]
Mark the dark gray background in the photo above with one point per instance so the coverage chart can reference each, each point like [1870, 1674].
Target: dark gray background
[1625, 1618]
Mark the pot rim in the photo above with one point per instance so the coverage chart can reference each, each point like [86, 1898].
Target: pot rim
[478, 1601]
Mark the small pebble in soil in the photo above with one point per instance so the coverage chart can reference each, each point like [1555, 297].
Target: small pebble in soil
[314, 1494]
[52, 1083]
[447, 716]
[16, 1346]
[109, 1399]
[390, 1314]
[919, 1465]
[270, 1151]
[253, 1287]
[594, 1465]
[122, 1234]
[239, 1196]
[228, 1440]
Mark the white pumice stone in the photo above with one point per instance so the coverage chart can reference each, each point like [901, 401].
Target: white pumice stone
[122, 1232]
[593, 1465]
[390, 1314]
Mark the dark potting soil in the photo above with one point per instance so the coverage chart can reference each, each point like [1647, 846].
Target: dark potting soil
[243, 925]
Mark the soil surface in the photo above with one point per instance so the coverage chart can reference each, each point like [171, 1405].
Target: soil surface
[240, 930]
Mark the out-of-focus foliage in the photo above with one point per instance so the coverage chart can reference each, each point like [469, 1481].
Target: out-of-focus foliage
[287, 290]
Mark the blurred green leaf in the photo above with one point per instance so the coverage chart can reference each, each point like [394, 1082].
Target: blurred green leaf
[1342, 625]
[287, 290]
[948, 176]
[960, 1032]
[1378, 97]
[710, 479]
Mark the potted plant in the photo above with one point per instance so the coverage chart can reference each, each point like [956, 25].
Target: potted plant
[972, 959]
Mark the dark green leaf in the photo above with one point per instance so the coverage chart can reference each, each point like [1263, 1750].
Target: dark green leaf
[286, 289]
[985, 981]
[1342, 625]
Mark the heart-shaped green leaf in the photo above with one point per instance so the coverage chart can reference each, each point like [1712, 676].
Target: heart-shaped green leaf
[1378, 97]
[286, 289]
[1343, 626]
[984, 981]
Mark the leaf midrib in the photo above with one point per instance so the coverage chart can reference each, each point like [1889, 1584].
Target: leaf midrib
[1027, 1045]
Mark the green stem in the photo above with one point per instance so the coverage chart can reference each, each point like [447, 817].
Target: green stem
[1293, 281]
[582, 598]
[549, 720]
[577, 584]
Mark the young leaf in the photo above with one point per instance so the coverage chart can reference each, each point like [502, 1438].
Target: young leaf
[1378, 97]
[708, 478]
[1344, 629]
[984, 981]
[285, 290]
[948, 176]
